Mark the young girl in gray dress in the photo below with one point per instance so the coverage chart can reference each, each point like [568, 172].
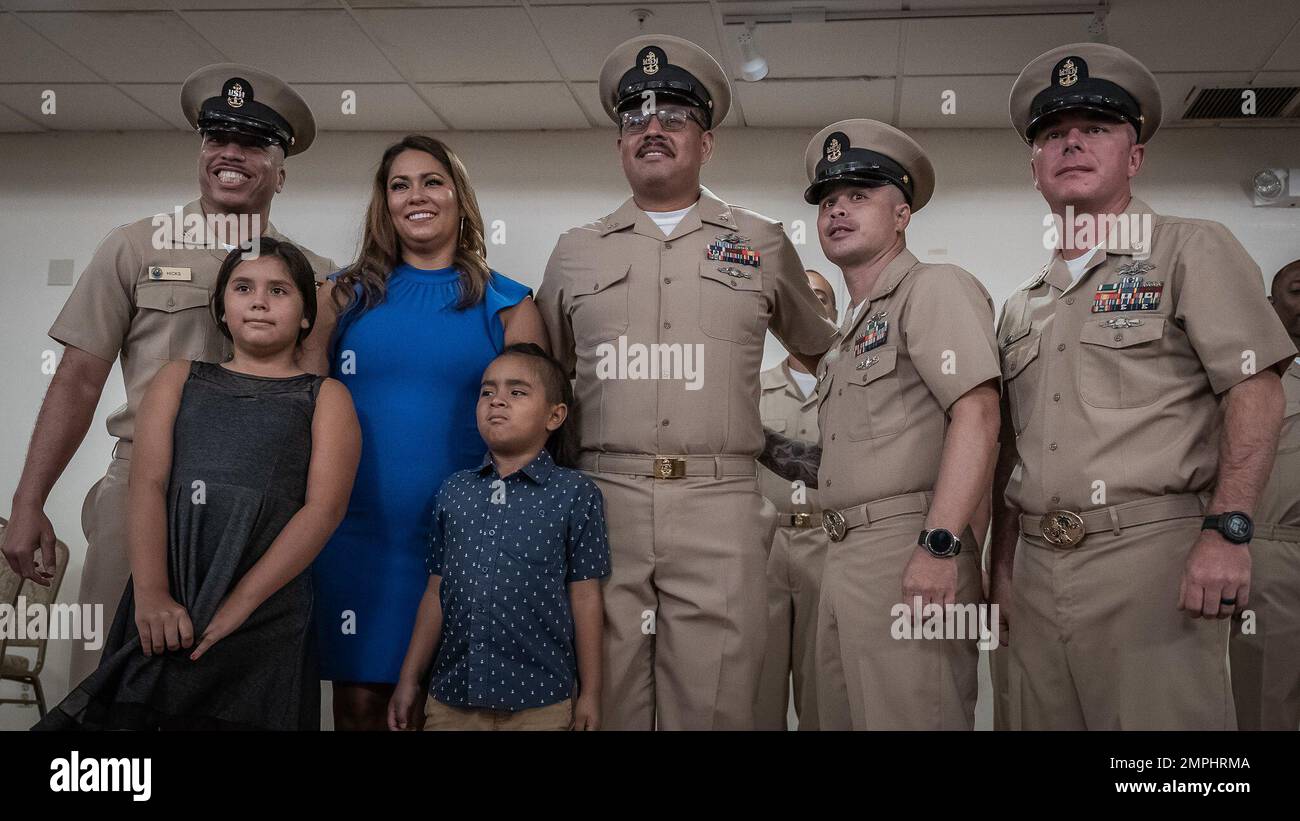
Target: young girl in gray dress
[240, 473]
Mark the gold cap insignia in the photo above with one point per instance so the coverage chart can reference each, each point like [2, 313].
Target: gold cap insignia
[650, 63]
[1068, 74]
[833, 152]
[235, 96]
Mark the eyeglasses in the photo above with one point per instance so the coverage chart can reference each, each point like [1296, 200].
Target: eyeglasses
[671, 118]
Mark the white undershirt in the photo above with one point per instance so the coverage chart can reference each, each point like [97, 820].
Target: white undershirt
[667, 220]
[806, 382]
[1080, 264]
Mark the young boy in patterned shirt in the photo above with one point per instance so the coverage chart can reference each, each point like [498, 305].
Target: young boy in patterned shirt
[513, 608]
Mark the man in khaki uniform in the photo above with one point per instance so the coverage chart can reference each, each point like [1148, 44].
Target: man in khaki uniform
[788, 405]
[660, 309]
[1126, 512]
[144, 296]
[909, 420]
[1266, 653]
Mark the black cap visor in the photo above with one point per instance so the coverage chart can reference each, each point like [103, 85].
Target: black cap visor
[1099, 96]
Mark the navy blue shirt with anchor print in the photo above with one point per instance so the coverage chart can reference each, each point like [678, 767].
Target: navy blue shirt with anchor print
[506, 549]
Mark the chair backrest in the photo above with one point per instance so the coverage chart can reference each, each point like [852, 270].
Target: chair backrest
[33, 593]
[10, 583]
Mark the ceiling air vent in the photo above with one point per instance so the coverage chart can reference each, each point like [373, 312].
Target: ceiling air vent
[1270, 103]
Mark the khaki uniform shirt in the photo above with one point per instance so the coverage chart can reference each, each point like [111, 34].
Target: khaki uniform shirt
[1280, 502]
[1113, 382]
[784, 409]
[923, 340]
[616, 291]
[149, 305]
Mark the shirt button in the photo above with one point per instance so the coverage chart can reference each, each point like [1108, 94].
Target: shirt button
[733, 283]
[1061, 347]
[667, 245]
[1052, 446]
[668, 280]
[1069, 300]
[803, 430]
[1056, 397]
[667, 325]
[1119, 337]
[828, 483]
[1056, 500]
[664, 423]
[832, 437]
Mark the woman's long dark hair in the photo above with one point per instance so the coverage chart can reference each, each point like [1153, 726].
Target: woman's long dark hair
[381, 251]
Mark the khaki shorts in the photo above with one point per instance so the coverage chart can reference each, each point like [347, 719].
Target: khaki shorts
[439, 716]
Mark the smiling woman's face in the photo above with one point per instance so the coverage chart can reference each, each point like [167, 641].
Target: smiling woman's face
[422, 202]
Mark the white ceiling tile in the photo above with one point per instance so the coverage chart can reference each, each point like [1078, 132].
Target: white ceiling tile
[986, 45]
[379, 107]
[461, 45]
[163, 99]
[314, 46]
[1287, 55]
[838, 49]
[813, 104]
[589, 98]
[126, 47]
[581, 37]
[978, 102]
[1182, 36]
[82, 107]
[10, 121]
[27, 57]
[1278, 78]
[505, 106]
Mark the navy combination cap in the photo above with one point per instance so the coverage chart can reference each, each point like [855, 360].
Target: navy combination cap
[872, 152]
[1086, 77]
[239, 99]
[674, 69]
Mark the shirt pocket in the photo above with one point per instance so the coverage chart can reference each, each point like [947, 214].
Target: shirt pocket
[180, 324]
[873, 397]
[1122, 367]
[1018, 351]
[732, 306]
[600, 304]
[538, 534]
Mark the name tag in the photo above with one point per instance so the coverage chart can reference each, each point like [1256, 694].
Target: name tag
[160, 273]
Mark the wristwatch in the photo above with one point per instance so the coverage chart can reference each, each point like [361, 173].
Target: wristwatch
[940, 543]
[1234, 526]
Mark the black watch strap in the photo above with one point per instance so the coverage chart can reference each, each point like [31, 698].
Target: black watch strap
[1234, 525]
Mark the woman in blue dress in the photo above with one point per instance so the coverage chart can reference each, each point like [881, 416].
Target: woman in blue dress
[408, 328]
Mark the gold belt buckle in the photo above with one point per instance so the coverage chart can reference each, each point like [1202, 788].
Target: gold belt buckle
[1062, 528]
[833, 524]
[669, 468]
[801, 519]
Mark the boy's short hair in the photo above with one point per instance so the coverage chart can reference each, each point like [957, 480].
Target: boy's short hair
[300, 272]
[556, 385]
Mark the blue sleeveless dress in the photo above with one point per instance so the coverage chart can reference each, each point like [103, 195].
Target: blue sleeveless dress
[414, 364]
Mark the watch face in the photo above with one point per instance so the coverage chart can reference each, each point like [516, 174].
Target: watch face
[1237, 526]
[940, 542]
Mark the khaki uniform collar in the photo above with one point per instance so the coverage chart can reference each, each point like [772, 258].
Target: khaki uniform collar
[196, 207]
[708, 209]
[1138, 215]
[780, 378]
[889, 279]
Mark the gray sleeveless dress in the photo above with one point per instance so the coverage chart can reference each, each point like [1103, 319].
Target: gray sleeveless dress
[241, 449]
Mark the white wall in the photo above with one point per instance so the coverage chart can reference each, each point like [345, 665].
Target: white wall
[60, 193]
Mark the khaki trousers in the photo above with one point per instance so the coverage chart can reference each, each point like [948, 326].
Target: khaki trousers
[685, 605]
[794, 578]
[107, 567]
[1098, 641]
[1266, 664]
[439, 716]
[866, 678]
